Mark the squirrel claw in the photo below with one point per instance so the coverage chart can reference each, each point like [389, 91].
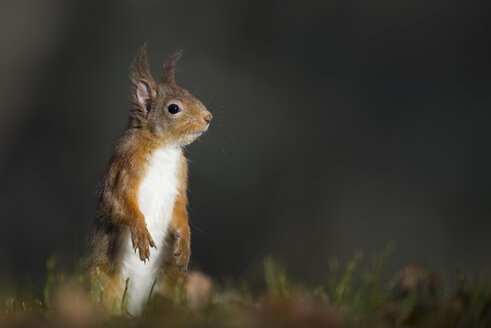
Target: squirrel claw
[181, 255]
[180, 267]
[151, 243]
[142, 240]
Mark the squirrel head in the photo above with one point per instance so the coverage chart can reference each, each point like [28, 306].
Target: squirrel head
[165, 110]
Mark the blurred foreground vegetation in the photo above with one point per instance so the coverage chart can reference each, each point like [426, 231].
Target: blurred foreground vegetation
[354, 295]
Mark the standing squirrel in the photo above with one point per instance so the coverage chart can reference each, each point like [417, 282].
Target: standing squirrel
[141, 223]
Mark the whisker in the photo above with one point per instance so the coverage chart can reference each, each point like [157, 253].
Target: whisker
[197, 228]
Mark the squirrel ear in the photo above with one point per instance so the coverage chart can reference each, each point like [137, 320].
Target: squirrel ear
[143, 83]
[143, 96]
[170, 64]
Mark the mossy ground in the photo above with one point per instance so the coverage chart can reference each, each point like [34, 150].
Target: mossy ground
[354, 295]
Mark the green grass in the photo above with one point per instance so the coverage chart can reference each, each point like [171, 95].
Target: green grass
[354, 295]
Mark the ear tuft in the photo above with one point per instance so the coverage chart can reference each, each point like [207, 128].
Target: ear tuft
[143, 83]
[169, 66]
[140, 69]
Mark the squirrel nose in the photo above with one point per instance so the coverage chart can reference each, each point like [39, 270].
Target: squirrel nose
[207, 117]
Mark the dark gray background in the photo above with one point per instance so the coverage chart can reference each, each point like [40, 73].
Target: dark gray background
[342, 125]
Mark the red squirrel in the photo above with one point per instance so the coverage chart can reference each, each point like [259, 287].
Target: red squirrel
[141, 223]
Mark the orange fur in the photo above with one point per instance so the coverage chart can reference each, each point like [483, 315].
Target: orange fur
[151, 126]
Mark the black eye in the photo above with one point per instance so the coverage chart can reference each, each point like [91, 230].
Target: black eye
[173, 109]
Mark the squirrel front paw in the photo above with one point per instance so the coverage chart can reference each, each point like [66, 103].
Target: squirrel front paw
[182, 251]
[142, 240]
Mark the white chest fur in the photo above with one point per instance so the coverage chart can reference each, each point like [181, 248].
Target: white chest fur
[156, 197]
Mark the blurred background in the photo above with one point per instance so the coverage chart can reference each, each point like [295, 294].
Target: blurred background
[339, 125]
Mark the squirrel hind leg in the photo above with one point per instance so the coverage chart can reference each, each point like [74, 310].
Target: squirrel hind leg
[172, 280]
[106, 290]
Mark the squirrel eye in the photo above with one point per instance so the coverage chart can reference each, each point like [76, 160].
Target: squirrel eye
[173, 109]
